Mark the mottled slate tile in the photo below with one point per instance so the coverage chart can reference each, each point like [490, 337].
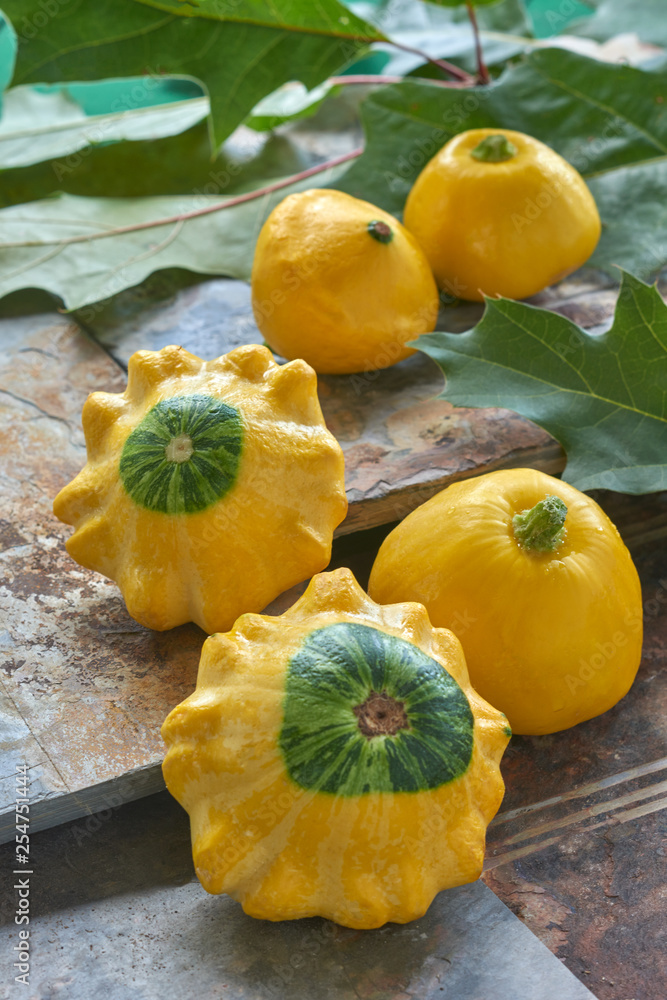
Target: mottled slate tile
[117, 912]
[84, 687]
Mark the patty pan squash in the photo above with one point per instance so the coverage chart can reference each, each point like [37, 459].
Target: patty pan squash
[499, 213]
[341, 283]
[537, 584]
[210, 486]
[335, 760]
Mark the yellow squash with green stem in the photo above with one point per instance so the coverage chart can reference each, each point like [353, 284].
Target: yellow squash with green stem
[499, 213]
[537, 584]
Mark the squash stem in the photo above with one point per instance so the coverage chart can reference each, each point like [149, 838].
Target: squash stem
[541, 528]
[380, 231]
[494, 149]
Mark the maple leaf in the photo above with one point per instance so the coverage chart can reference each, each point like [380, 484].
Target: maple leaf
[604, 397]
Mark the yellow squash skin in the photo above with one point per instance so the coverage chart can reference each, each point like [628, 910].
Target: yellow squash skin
[551, 639]
[509, 228]
[285, 851]
[270, 531]
[325, 290]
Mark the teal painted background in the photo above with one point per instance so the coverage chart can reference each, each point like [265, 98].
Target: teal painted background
[551, 17]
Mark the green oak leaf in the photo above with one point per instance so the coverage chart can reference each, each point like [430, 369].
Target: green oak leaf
[88, 249]
[603, 397]
[239, 52]
[633, 208]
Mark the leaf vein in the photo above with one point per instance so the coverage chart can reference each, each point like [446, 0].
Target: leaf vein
[559, 388]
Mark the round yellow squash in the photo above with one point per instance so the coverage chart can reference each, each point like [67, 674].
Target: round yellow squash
[537, 584]
[340, 283]
[210, 486]
[335, 760]
[499, 213]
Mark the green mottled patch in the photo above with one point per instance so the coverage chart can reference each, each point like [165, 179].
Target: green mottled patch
[326, 745]
[507, 731]
[184, 455]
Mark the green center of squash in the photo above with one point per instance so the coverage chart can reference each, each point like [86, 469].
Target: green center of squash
[366, 712]
[184, 455]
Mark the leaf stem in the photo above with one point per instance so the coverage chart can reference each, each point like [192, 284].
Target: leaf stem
[363, 78]
[482, 70]
[459, 74]
[184, 216]
[369, 78]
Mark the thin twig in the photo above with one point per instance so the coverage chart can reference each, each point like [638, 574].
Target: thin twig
[184, 216]
[482, 70]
